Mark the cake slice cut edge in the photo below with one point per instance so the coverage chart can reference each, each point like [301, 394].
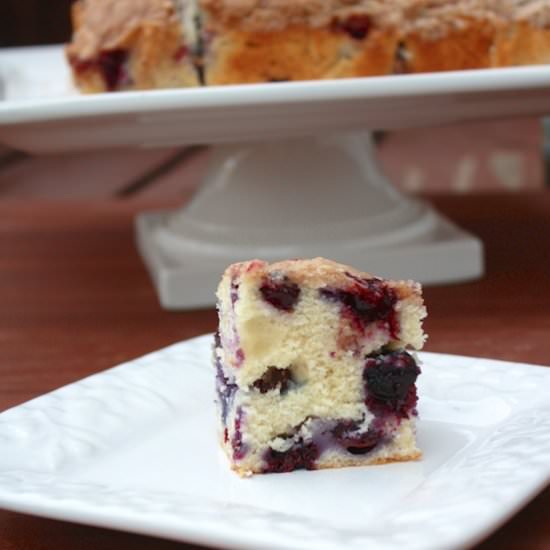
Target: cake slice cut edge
[315, 366]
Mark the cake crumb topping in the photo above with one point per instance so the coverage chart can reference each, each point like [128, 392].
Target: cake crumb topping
[107, 24]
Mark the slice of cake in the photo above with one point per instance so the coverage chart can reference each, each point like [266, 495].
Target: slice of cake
[274, 40]
[132, 44]
[438, 35]
[524, 38]
[314, 366]
[444, 35]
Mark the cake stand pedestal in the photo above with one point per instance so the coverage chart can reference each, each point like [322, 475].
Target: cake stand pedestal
[299, 197]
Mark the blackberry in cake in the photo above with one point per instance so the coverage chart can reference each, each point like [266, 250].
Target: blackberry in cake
[315, 366]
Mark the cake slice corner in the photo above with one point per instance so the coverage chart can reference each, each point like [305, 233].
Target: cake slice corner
[132, 45]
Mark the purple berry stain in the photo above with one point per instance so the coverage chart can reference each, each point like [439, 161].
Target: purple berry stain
[281, 293]
[181, 53]
[239, 448]
[390, 384]
[234, 297]
[239, 354]
[225, 388]
[112, 65]
[226, 391]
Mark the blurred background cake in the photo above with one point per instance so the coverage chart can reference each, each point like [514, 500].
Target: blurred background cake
[140, 44]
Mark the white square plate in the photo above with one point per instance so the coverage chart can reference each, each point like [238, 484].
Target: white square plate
[134, 448]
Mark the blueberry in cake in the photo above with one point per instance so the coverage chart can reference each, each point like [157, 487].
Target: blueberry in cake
[138, 44]
[315, 366]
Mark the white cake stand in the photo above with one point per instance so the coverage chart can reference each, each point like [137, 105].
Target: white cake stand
[300, 197]
[293, 172]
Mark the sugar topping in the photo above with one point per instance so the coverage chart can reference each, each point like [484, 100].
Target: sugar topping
[431, 17]
[107, 24]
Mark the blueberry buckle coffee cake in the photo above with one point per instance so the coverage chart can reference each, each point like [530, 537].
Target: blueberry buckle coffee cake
[315, 366]
[139, 44]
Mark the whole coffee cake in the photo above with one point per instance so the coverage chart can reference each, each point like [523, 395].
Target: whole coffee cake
[139, 44]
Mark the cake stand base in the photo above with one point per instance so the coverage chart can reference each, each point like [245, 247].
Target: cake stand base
[299, 198]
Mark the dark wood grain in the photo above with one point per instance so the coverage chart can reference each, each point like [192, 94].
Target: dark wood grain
[75, 299]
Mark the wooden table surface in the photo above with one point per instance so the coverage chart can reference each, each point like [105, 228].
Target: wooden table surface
[75, 299]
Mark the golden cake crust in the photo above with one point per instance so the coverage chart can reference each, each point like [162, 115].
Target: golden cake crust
[298, 53]
[467, 45]
[521, 44]
[279, 40]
